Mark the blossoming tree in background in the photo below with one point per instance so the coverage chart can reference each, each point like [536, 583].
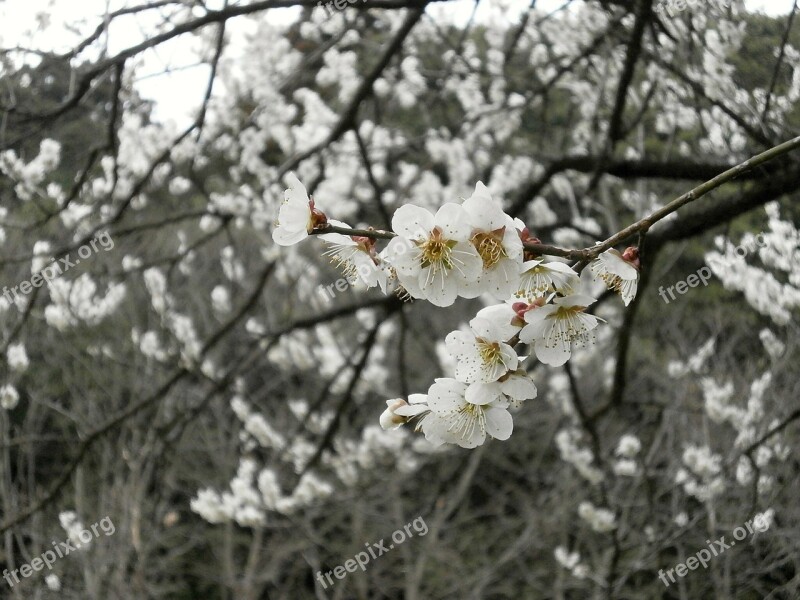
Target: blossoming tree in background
[399, 266]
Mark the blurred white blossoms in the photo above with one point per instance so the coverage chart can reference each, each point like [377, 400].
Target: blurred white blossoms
[553, 328]
[455, 420]
[571, 562]
[628, 446]
[600, 519]
[221, 299]
[9, 397]
[431, 254]
[297, 216]
[73, 526]
[568, 443]
[620, 272]
[53, 582]
[17, 357]
[703, 478]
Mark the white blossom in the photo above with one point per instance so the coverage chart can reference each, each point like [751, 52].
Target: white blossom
[432, 255]
[619, 271]
[554, 328]
[601, 520]
[9, 397]
[17, 357]
[455, 420]
[297, 216]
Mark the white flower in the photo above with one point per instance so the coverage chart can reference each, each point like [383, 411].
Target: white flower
[41, 256]
[53, 582]
[73, 526]
[620, 272]
[505, 319]
[356, 257]
[297, 216]
[744, 471]
[150, 346]
[763, 521]
[209, 506]
[580, 572]
[628, 446]
[513, 388]
[568, 560]
[432, 254]
[455, 420]
[398, 411]
[17, 357]
[600, 519]
[270, 488]
[497, 241]
[702, 461]
[482, 354]
[221, 299]
[9, 397]
[774, 347]
[567, 441]
[554, 327]
[539, 279]
[625, 467]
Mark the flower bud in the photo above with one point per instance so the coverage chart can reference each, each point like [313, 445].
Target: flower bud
[391, 420]
[631, 255]
[318, 219]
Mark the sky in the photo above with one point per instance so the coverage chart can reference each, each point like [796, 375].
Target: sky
[169, 75]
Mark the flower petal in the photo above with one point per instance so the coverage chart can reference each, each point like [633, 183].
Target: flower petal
[482, 393]
[446, 395]
[467, 263]
[499, 423]
[460, 343]
[285, 237]
[412, 221]
[555, 354]
[519, 387]
[296, 193]
[440, 288]
[453, 221]
[403, 256]
[484, 212]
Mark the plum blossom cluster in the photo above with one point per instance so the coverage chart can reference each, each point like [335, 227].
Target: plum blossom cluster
[468, 249]
[29, 177]
[18, 363]
[701, 474]
[571, 561]
[257, 490]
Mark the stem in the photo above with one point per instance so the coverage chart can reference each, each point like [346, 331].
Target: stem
[644, 224]
[370, 233]
[640, 227]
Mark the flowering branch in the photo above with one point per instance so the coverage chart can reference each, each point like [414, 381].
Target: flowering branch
[644, 224]
[638, 228]
[475, 249]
